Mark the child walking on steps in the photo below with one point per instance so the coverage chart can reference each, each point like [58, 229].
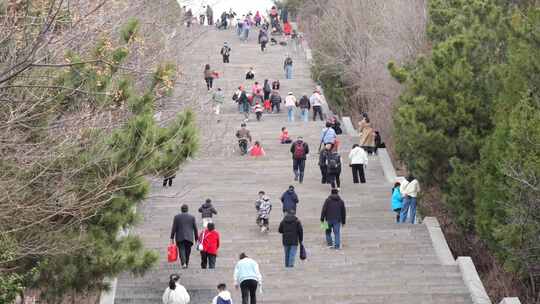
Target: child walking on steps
[258, 109]
[264, 207]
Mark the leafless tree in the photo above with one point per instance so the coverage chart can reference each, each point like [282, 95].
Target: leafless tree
[357, 39]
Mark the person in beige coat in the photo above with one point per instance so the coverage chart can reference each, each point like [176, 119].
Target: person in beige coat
[367, 135]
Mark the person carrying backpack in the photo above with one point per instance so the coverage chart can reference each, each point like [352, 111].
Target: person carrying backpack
[225, 52]
[324, 152]
[299, 150]
[333, 167]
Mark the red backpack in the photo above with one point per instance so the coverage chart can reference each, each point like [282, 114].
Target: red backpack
[299, 151]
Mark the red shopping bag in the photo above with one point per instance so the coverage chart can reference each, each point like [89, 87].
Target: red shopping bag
[172, 253]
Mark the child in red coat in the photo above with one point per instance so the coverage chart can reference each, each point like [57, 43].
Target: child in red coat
[209, 239]
[257, 150]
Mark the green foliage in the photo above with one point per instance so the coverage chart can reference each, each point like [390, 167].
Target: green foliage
[11, 284]
[129, 30]
[509, 179]
[107, 176]
[469, 117]
[332, 83]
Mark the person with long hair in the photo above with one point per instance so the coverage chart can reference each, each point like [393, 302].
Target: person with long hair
[175, 293]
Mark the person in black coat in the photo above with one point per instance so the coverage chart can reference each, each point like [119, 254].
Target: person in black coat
[322, 162]
[292, 235]
[184, 231]
[334, 213]
[333, 169]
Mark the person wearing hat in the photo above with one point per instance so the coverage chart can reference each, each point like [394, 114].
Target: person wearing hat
[288, 67]
[316, 101]
[175, 293]
[290, 104]
[292, 234]
[225, 52]
[289, 199]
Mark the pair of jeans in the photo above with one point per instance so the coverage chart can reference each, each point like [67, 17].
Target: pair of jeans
[275, 107]
[290, 113]
[208, 259]
[245, 107]
[358, 171]
[288, 71]
[333, 179]
[299, 166]
[248, 288]
[225, 58]
[336, 228]
[305, 114]
[290, 254]
[409, 205]
[184, 248]
[245, 34]
[317, 109]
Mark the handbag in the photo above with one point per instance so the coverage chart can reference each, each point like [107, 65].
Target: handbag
[200, 243]
[303, 253]
[172, 253]
[324, 225]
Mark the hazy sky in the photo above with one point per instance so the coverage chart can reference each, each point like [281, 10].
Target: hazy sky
[239, 6]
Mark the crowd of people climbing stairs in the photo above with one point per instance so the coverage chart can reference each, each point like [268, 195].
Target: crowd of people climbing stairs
[261, 99]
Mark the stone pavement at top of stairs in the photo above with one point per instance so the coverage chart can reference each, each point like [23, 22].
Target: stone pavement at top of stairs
[381, 262]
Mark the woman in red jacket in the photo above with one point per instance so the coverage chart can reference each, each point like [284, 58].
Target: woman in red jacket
[209, 239]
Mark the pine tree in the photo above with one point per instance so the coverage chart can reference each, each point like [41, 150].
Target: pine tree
[91, 183]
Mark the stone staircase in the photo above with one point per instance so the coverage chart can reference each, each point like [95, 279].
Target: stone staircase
[381, 261]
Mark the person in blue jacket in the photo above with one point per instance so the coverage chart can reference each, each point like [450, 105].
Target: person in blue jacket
[397, 202]
[289, 199]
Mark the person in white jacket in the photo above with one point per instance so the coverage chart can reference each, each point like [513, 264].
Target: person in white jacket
[290, 104]
[358, 159]
[248, 277]
[409, 191]
[175, 293]
[224, 296]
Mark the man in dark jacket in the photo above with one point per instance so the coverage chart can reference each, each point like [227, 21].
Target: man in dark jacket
[304, 108]
[299, 150]
[333, 212]
[289, 199]
[333, 169]
[292, 235]
[275, 100]
[184, 230]
[322, 162]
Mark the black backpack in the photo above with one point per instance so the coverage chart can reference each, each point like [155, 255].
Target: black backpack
[332, 161]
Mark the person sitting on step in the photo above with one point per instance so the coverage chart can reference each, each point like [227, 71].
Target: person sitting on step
[256, 150]
[284, 137]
